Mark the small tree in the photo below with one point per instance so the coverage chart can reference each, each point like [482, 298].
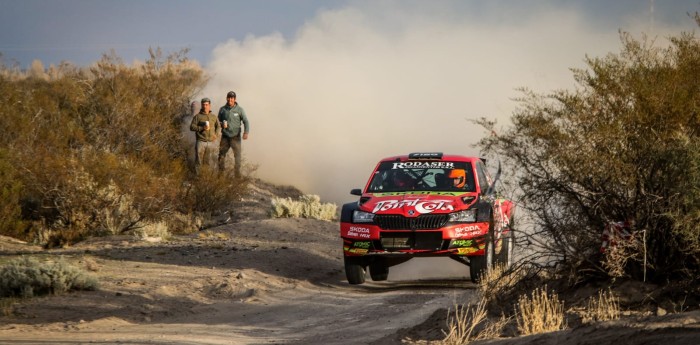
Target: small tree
[623, 146]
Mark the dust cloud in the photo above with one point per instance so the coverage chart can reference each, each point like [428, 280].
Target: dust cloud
[376, 79]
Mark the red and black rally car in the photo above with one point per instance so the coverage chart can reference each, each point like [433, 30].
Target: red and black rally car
[423, 205]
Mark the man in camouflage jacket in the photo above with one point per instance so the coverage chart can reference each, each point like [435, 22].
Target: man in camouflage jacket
[206, 126]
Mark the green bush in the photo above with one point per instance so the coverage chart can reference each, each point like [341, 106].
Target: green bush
[27, 277]
[308, 206]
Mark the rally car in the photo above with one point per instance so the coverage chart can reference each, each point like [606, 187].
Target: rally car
[426, 205]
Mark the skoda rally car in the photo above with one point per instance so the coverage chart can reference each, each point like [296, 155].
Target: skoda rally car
[426, 204]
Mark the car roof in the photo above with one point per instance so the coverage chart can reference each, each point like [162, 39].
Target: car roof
[430, 156]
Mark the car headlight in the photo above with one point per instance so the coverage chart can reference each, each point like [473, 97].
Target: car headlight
[466, 216]
[362, 217]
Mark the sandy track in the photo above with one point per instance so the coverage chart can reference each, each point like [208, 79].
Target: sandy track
[252, 282]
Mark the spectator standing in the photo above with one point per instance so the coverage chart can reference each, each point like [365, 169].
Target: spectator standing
[235, 126]
[206, 126]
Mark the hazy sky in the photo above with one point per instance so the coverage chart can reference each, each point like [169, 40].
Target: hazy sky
[330, 87]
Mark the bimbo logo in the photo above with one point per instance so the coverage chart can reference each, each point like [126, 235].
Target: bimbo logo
[427, 206]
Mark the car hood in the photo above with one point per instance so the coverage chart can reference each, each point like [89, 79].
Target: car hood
[413, 204]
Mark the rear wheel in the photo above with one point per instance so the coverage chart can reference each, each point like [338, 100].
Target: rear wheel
[354, 270]
[379, 270]
[505, 257]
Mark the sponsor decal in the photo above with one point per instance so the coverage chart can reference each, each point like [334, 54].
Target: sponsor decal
[462, 243]
[358, 251]
[426, 165]
[358, 231]
[421, 206]
[467, 250]
[362, 244]
[419, 192]
[466, 231]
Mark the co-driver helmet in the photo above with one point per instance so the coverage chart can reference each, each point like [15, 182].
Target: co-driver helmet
[459, 177]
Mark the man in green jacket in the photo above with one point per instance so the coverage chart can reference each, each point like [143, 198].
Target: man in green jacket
[206, 126]
[235, 126]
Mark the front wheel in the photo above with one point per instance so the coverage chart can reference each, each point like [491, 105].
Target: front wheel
[480, 265]
[354, 270]
[378, 270]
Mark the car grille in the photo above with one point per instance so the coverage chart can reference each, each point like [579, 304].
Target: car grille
[412, 240]
[422, 222]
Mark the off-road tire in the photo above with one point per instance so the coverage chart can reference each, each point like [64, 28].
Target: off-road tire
[480, 265]
[354, 270]
[505, 257]
[378, 270]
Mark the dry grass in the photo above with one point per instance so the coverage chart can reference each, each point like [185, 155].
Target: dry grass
[91, 264]
[499, 281]
[472, 323]
[7, 305]
[542, 312]
[213, 235]
[464, 324]
[606, 306]
[621, 251]
[308, 206]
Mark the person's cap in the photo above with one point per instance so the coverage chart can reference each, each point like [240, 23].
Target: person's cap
[231, 94]
[205, 100]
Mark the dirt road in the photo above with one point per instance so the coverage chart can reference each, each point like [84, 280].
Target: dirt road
[252, 282]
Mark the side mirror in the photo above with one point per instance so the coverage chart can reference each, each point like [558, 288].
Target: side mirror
[356, 191]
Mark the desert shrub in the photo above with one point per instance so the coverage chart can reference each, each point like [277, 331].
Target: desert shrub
[105, 154]
[75, 205]
[7, 305]
[27, 277]
[602, 307]
[184, 223]
[152, 230]
[308, 206]
[624, 145]
[212, 191]
[10, 192]
[540, 313]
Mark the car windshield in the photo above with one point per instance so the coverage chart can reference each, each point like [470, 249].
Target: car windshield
[423, 176]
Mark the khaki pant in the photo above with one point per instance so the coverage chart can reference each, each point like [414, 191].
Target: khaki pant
[234, 144]
[204, 150]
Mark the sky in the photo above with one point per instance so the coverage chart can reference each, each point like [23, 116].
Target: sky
[331, 87]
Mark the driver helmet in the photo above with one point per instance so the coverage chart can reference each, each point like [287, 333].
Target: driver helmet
[401, 179]
[459, 177]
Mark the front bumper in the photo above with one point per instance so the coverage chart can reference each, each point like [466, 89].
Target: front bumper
[463, 239]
